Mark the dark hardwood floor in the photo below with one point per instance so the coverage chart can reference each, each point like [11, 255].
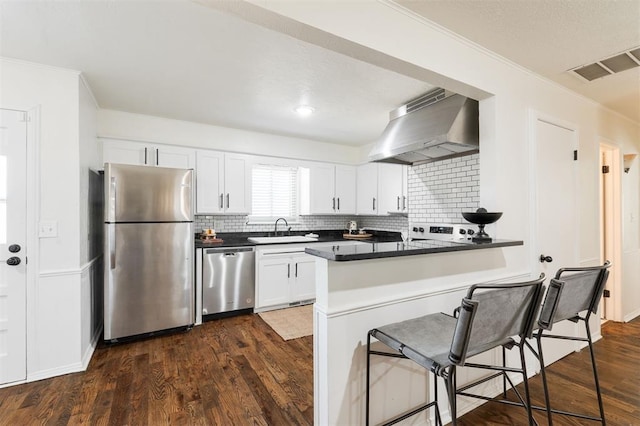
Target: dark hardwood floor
[237, 371]
[571, 385]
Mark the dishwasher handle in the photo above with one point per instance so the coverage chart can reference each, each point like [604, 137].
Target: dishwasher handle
[228, 250]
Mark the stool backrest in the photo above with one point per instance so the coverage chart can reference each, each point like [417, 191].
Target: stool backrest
[491, 314]
[573, 290]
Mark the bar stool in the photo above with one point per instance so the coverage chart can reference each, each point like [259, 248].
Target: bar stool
[572, 291]
[490, 316]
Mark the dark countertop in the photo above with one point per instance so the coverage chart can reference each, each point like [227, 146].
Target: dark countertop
[379, 250]
[239, 239]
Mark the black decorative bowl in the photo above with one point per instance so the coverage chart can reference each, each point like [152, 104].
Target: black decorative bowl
[481, 218]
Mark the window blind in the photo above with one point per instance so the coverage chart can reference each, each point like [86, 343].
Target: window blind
[274, 191]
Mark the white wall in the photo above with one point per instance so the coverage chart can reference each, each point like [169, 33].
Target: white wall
[122, 125]
[90, 181]
[507, 93]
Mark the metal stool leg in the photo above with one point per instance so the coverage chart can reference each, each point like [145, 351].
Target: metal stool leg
[368, 378]
[545, 386]
[595, 372]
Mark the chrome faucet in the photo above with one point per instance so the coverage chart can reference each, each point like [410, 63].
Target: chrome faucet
[275, 231]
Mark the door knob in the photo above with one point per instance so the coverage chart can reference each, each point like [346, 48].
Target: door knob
[544, 258]
[14, 248]
[13, 261]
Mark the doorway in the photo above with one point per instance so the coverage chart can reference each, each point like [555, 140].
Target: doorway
[13, 246]
[610, 229]
[554, 191]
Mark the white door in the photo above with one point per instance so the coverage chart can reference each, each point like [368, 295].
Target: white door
[345, 189]
[304, 284]
[175, 157]
[273, 282]
[209, 182]
[13, 265]
[390, 188]
[237, 184]
[367, 189]
[322, 185]
[555, 215]
[126, 152]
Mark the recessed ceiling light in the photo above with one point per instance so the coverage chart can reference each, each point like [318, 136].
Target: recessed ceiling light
[304, 110]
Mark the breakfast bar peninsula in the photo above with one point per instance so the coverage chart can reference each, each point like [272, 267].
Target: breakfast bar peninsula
[363, 286]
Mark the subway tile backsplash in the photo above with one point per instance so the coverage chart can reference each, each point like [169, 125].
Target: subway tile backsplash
[440, 191]
[437, 192]
[239, 223]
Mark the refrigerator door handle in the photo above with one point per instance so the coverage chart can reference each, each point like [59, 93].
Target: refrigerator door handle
[112, 246]
[113, 197]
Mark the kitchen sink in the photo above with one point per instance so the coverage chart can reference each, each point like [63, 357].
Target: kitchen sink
[283, 239]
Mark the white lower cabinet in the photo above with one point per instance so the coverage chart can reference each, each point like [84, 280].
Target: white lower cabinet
[284, 275]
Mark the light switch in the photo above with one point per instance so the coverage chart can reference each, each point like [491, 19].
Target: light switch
[48, 229]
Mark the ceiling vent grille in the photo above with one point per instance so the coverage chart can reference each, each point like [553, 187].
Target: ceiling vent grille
[614, 64]
[420, 102]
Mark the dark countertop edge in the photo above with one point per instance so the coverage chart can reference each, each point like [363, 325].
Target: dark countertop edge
[410, 252]
[239, 239]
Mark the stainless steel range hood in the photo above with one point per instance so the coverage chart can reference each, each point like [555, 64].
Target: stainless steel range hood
[435, 126]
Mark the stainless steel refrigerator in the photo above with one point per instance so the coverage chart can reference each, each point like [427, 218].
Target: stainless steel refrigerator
[148, 250]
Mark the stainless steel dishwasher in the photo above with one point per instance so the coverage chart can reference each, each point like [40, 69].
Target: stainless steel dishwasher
[228, 279]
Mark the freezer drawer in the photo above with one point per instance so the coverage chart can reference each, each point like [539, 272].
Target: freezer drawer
[148, 278]
[228, 279]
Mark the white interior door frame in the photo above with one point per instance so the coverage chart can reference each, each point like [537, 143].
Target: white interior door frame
[534, 117]
[32, 248]
[612, 223]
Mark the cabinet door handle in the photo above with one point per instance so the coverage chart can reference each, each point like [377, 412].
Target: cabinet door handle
[338, 203]
[334, 203]
[398, 203]
[157, 157]
[221, 201]
[404, 202]
[288, 270]
[227, 200]
[145, 155]
[296, 270]
[374, 203]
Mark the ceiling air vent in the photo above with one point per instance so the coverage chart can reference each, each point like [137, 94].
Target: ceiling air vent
[614, 64]
[420, 102]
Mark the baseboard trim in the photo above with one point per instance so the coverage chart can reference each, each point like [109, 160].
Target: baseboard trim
[88, 353]
[631, 316]
[53, 372]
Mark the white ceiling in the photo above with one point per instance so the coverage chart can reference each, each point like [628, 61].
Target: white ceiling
[551, 37]
[182, 60]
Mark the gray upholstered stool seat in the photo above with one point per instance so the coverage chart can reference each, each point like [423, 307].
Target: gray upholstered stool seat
[425, 340]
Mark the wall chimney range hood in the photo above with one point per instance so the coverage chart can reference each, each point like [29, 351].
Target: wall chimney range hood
[437, 125]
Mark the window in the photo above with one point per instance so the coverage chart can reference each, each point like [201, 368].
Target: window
[274, 192]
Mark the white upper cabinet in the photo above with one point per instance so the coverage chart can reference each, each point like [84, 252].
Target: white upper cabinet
[345, 185]
[367, 188]
[390, 188]
[222, 183]
[146, 154]
[322, 181]
[327, 189]
[381, 189]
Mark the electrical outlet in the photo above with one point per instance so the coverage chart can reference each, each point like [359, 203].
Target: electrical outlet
[48, 229]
